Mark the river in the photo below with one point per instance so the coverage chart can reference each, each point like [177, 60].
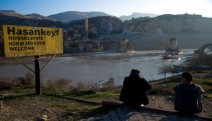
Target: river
[98, 66]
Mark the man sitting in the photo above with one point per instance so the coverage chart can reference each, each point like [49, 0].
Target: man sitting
[134, 89]
[188, 95]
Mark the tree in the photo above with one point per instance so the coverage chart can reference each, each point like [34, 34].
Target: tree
[164, 69]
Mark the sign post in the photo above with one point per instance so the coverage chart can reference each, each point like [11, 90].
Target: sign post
[20, 41]
[37, 76]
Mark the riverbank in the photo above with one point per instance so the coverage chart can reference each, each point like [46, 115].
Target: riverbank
[20, 103]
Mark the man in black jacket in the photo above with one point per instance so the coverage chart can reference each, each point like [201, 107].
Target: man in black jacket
[134, 90]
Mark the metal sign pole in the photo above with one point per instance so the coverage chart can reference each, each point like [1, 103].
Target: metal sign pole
[37, 71]
[37, 76]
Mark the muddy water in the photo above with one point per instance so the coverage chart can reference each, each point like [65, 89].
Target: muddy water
[94, 67]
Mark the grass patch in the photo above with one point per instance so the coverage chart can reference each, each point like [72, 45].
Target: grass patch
[207, 95]
[81, 93]
[104, 95]
[97, 110]
[166, 86]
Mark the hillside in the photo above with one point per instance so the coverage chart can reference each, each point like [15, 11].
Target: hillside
[191, 31]
[69, 16]
[13, 18]
[137, 15]
[36, 16]
[75, 15]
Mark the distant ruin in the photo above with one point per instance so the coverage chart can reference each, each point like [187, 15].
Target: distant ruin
[204, 50]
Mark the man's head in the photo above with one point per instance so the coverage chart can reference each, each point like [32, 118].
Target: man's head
[186, 76]
[135, 71]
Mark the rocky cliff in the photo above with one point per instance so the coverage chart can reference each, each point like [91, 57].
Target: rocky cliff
[172, 24]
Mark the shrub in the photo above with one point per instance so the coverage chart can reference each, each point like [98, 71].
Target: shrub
[60, 84]
[30, 79]
[109, 83]
[4, 85]
[202, 60]
[83, 86]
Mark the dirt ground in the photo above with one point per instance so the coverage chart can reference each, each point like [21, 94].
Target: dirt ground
[36, 108]
[166, 103]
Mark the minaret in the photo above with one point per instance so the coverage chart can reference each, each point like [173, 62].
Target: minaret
[86, 26]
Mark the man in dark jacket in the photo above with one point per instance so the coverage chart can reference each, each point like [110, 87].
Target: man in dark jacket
[188, 95]
[134, 90]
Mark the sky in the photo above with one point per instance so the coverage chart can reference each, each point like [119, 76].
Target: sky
[112, 7]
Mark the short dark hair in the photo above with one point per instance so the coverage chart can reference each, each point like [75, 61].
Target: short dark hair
[135, 71]
[187, 76]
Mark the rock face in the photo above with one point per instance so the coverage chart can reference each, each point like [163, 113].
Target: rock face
[172, 24]
[78, 39]
[191, 31]
[100, 25]
[160, 26]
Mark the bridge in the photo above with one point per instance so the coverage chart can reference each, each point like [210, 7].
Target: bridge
[201, 50]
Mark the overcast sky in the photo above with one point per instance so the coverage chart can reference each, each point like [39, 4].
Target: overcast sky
[112, 7]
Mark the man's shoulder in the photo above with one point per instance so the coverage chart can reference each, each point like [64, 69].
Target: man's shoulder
[199, 87]
[189, 86]
[185, 85]
[178, 85]
[126, 77]
[141, 78]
